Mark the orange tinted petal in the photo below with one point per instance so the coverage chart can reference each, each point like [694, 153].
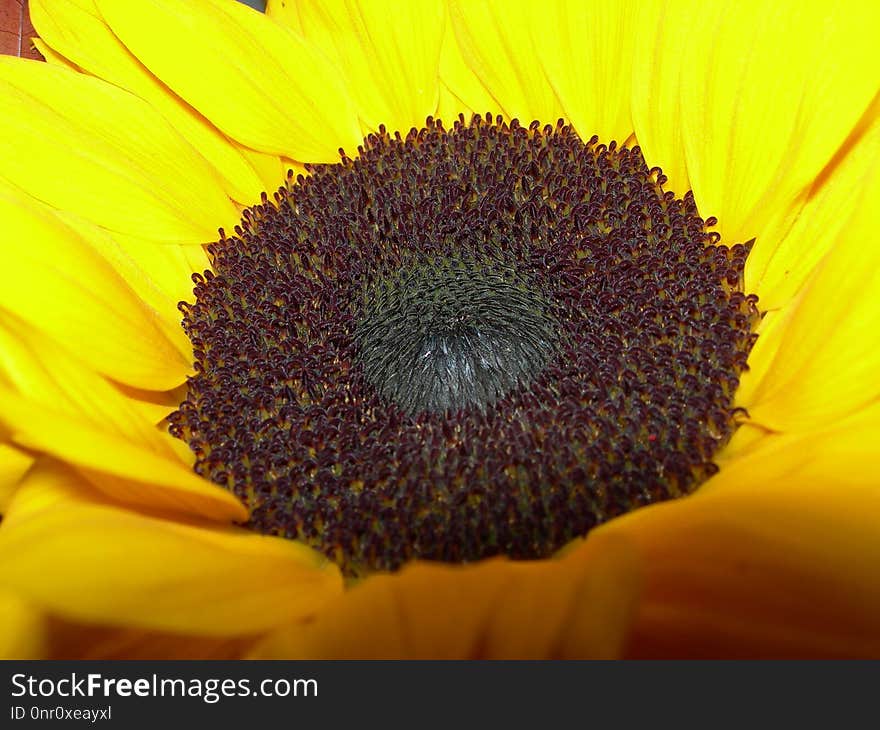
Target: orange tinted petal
[777, 556]
[23, 630]
[578, 606]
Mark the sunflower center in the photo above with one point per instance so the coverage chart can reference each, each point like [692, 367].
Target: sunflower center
[452, 332]
[462, 343]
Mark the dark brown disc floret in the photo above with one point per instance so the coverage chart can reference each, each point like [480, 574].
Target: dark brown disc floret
[462, 343]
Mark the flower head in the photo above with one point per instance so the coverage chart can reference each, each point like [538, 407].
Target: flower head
[641, 415]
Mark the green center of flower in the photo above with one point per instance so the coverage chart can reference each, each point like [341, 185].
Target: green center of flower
[462, 343]
[449, 333]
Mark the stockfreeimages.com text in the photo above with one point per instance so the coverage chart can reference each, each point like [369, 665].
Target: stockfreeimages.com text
[209, 690]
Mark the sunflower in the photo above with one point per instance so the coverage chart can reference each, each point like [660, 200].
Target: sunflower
[442, 381]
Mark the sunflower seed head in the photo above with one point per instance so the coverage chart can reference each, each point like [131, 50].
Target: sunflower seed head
[462, 343]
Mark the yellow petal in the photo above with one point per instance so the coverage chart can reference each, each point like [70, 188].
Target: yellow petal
[74, 29]
[286, 13]
[576, 607]
[777, 556]
[746, 438]
[91, 561]
[159, 274]
[271, 169]
[769, 93]
[46, 374]
[56, 281]
[52, 404]
[259, 83]
[154, 406]
[23, 630]
[587, 51]
[825, 362]
[89, 147]
[797, 237]
[118, 467]
[497, 44]
[53, 57]
[461, 91]
[769, 331]
[834, 456]
[389, 59]
[662, 30]
[170, 271]
[14, 464]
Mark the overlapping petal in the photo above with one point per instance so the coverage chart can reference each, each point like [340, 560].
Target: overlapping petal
[586, 50]
[149, 572]
[388, 59]
[51, 403]
[52, 57]
[754, 140]
[819, 362]
[776, 556]
[57, 282]
[75, 30]
[293, 105]
[14, 464]
[23, 631]
[461, 91]
[797, 237]
[158, 274]
[83, 641]
[86, 146]
[662, 30]
[497, 43]
[578, 606]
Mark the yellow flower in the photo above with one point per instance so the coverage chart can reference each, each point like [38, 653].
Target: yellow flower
[154, 124]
